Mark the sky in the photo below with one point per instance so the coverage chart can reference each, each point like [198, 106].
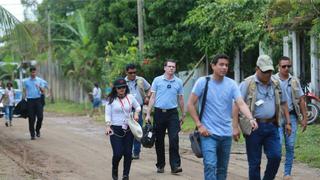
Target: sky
[14, 7]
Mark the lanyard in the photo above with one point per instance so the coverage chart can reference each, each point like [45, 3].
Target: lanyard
[122, 106]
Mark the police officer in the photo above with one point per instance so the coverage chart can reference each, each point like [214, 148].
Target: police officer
[266, 96]
[166, 94]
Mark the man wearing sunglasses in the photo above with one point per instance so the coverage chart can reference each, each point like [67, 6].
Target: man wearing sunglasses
[166, 94]
[139, 88]
[266, 98]
[297, 111]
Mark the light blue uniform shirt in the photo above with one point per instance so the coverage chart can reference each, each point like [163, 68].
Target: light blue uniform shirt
[32, 91]
[134, 89]
[266, 95]
[217, 115]
[166, 92]
[287, 85]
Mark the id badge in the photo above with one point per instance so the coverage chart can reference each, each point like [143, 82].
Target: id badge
[259, 103]
[124, 126]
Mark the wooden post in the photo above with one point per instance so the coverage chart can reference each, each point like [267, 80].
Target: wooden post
[236, 67]
[314, 65]
[295, 54]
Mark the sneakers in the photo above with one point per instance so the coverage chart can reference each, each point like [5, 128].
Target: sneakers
[135, 156]
[176, 170]
[7, 124]
[10, 123]
[160, 170]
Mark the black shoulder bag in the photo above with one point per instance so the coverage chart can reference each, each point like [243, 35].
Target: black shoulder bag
[195, 135]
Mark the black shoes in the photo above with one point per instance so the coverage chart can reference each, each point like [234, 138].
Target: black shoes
[160, 170]
[7, 124]
[176, 170]
[33, 138]
[125, 177]
[135, 156]
[38, 134]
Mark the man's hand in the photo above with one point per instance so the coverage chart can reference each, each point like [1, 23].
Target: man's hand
[254, 124]
[203, 130]
[288, 129]
[136, 117]
[147, 119]
[304, 124]
[236, 134]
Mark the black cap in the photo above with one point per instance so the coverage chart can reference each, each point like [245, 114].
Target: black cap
[120, 82]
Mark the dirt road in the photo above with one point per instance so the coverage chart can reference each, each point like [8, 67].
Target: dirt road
[76, 148]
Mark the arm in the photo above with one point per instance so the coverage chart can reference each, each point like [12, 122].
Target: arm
[193, 99]
[181, 104]
[235, 122]
[284, 108]
[107, 117]
[303, 110]
[137, 108]
[150, 105]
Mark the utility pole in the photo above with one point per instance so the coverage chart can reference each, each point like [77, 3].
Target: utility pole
[49, 62]
[140, 26]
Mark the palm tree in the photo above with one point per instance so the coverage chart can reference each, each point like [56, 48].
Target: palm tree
[15, 33]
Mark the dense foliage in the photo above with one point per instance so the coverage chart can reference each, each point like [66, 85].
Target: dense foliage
[94, 40]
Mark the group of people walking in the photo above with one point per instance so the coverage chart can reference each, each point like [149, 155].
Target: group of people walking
[273, 104]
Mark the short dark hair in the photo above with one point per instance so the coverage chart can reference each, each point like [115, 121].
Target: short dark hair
[285, 58]
[169, 60]
[216, 58]
[96, 84]
[130, 66]
[33, 68]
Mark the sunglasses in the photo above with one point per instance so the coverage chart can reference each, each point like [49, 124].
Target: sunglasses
[121, 87]
[133, 72]
[284, 66]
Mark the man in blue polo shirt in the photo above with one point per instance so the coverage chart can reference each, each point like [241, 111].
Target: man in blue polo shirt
[215, 125]
[33, 88]
[165, 92]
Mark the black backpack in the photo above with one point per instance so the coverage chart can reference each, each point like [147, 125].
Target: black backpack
[148, 137]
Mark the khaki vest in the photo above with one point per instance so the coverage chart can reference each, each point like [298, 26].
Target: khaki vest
[295, 89]
[251, 97]
[141, 89]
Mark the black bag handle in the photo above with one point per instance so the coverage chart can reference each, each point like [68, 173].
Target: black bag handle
[204, 99]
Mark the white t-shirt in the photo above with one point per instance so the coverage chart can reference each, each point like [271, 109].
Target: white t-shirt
[96, 93]
[10, 94]
[118, 112]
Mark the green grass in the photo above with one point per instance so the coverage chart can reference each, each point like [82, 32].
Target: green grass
[68, 108]
[307, 146]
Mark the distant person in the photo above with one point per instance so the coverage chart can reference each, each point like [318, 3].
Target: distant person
[8, 103]
[139, 88]
[166, 96]
[33, 88]
[117, 111]
[297, 110]
[96, 95]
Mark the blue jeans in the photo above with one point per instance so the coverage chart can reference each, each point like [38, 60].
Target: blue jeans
[8, 112]
[266, 136]
[289, 143]
[137, 144]
[216, 153]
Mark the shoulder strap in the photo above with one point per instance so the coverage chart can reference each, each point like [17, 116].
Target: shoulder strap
[204, 99]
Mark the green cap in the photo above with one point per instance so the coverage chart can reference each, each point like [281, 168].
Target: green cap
[264, 62]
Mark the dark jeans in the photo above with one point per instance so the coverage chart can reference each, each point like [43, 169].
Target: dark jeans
[137, 144]
[35, 109]
[266, 136]
[121, 143]
[162, 121]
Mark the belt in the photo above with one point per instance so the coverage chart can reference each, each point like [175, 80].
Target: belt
[165, 110]
[266, 120]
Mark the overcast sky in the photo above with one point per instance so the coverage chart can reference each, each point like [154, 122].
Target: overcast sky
[14, 7]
